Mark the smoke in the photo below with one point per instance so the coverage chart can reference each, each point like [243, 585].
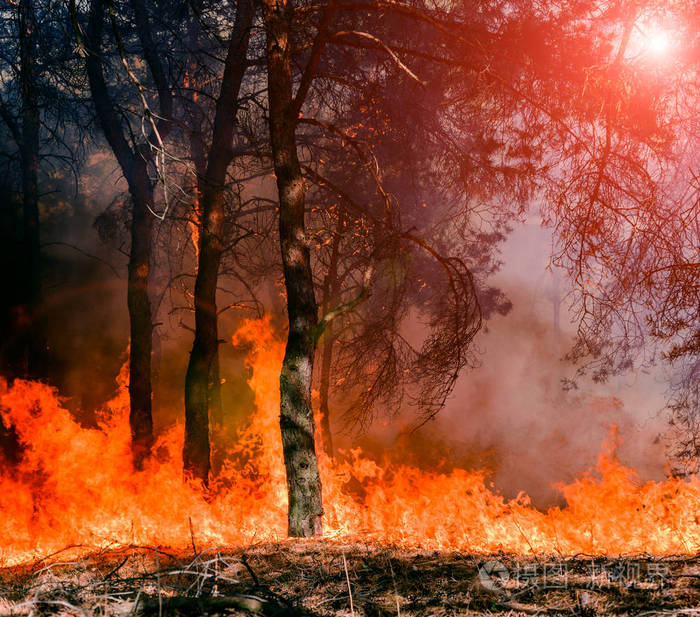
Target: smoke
[84, 287]
[85, 239]
[512, 414]
[538, 433]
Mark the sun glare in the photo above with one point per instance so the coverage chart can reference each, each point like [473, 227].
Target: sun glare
[652, 41]
[658, 42]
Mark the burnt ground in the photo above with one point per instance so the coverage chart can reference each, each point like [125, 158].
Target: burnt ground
[326, 578]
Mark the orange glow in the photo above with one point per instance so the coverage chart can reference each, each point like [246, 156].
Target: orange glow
[74, 487]
[194, 235]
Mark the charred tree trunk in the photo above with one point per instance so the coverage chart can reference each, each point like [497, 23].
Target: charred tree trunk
[296, 416]
[330, 297]
[31, 362]
[195, 454]
[198, 155]
[203, 358]
[324, 392]
[216, 406]
[10, 448]
[142, 220]
[140, 320]
[134, 165]
[23, 344]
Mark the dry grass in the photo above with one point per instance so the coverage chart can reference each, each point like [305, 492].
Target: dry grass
[326, 578]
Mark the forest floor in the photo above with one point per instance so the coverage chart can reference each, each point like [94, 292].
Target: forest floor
[326, 578]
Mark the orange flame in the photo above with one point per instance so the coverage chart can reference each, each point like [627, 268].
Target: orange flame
[74, 487]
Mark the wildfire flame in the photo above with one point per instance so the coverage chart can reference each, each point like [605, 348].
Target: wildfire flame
[74, 487]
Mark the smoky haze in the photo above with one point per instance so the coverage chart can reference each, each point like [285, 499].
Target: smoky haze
[509, 415]
[512, 414]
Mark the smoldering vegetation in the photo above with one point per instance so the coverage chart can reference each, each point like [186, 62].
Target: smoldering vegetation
[323, 579]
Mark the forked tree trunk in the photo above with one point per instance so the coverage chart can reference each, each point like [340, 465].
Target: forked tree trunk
[203, 365]
[296, 416]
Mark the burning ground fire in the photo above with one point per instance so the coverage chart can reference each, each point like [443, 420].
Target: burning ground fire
[74, 487]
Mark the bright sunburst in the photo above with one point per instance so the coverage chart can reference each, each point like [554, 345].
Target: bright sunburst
[658, 42]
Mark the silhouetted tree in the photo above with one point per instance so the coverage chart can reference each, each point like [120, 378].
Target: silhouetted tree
[211, 188]
[457, 316]
[136, 151]
[454, 235]
[617, 126]
[37, 107]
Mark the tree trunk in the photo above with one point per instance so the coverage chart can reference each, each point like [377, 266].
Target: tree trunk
[198, 155]
[203, 358]
[134, 166]
[23, 346]
[324, 392]
[195, 454]
[33, 365]
[140, 321]
[296, 416]
[330, 298]
[216, 407]
[10, 448]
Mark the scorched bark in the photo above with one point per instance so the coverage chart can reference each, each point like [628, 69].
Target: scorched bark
[296, 416]
[203, 365]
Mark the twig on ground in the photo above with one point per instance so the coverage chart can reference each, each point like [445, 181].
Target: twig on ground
[160, 595]
[396, 593]
[347, 578]
[244, 561]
